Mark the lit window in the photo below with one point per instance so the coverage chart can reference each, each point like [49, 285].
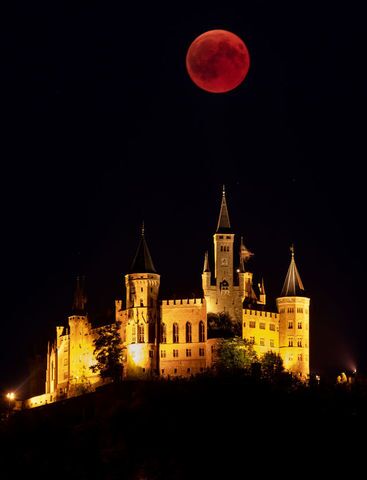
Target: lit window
[188, 332]
[163, 333]
[201, 331]
[188, 352]
[141, 333]
[262, 326]
[175, 333]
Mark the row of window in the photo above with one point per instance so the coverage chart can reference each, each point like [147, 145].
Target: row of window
[291, 310]
[291, 342]
[188, 353]
[224, 248]
[262, 325]
[299, 325]
[260, 313]
[188, 332]
[262, 342]
[227, 237]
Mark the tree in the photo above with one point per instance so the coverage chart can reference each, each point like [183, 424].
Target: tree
[271, 364]
[235, 354]
[221, 325]
[108, 351]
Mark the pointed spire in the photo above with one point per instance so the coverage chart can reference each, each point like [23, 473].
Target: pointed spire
[142, 262]
[206, 263]
[262, 287]
[80, 298]
[223, 220]
[293, 285]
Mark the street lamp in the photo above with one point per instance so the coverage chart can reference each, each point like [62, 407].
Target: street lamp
[10, 396]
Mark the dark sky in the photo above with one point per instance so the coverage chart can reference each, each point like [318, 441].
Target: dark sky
[102, 127]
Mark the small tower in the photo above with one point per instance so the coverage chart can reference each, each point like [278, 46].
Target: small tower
[142, 289]
[293, 307]
[262, 294]
[206, 275]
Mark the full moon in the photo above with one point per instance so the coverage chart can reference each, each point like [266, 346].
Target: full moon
[217, 61]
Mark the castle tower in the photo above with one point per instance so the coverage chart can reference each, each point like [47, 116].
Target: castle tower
[293, 307]
[228, 291]
[80, 352]
[142, 322]
[206, 275]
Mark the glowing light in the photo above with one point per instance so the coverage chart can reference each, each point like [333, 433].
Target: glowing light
[10, 396]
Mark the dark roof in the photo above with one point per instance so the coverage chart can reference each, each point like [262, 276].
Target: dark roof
[224, 225]
[293, 286]
[142, 262]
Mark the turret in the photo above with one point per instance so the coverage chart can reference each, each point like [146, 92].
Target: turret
[142, 289]
[293, 307]
[206, 275]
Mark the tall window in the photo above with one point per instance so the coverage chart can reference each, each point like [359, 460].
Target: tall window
[133, 334]
[299, 325]
[175, 333]
[290, 324]
[290, 342]
[163, 333]
[201, 331]
[299, 342]
[188, 332]
[140, 333]
[272, 343]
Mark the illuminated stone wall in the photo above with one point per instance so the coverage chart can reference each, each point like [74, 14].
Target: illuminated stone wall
[261, 328]
[185, 354]
[294, 334]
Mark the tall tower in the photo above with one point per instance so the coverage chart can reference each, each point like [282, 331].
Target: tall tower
[81, 347]
[293, 307]
[142, 288]
[228, 290]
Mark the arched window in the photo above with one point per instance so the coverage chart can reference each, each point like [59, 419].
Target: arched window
[188, 332]
[201, 331]
[163, 333]
[140, 333]
[175, 333]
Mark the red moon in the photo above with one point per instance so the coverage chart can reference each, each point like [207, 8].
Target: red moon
[217, 61]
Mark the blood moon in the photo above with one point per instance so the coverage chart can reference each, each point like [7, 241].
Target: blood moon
[217, 61]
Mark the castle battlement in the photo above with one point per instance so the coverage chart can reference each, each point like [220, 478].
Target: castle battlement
[260, 313]
[183, 301]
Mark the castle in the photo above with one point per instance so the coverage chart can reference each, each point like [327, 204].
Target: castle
[169, 337]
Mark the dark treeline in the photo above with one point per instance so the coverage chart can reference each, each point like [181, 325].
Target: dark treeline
[206, 427]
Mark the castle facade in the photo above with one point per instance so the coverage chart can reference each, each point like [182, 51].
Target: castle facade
[169, 338]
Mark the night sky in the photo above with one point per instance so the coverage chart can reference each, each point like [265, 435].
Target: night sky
[102, 128]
